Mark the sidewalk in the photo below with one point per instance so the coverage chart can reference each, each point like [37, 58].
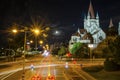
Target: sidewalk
[86, 75]
[11, 65]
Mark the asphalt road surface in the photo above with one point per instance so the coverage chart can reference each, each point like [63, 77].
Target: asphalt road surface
[44, 67]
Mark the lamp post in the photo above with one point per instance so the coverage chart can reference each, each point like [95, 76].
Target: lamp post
[14, 31]
[41, 42]
[36, 31]
[23, 77]
[23, 56]
[90, 46]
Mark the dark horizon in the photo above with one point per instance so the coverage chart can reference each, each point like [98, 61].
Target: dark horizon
[65, 15]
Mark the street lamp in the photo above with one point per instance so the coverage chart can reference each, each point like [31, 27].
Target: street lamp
[23, 77]
[47, 46]
[31, 41]
[90, 46]
[25, 31]
[14, 31]
[41, 42]
[36, 31]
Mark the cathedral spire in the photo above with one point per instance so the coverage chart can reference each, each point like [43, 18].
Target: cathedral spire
[111, 23]
[88, 16]
[97, 16]
[84, 16]
[91, 11]
[78, 31]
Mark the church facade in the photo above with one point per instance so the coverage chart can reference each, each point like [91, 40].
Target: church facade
[92, 32]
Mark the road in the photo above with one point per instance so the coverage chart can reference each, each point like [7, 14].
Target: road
[43, 67]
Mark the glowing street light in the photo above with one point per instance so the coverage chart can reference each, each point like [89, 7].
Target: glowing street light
[37, 32]
[47, 46]
[31, 41]
[90, 46]
[25, 31]
[41, 42]
[14, 31]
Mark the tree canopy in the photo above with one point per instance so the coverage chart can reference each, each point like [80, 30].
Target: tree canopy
[114, 49]
[76, 47]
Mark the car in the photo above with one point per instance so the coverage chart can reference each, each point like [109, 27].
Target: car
[36, 77]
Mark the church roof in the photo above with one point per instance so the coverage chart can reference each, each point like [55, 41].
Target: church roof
[91, 10]
[82, 31]
[111, 23]
[76, 34]
[79, 32]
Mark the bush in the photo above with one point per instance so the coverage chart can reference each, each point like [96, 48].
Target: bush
[110, 65]
[29, 55]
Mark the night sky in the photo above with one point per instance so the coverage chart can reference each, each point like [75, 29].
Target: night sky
[66, 15]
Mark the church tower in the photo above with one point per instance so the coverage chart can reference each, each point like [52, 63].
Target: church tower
[97, 19]
[92, 25]
[111, 23]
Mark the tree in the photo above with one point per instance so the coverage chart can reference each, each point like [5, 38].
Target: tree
[76, 46]
[77, 49]
[116, 49]
[55, 51]
[112, 64]
[112, 31]
[62, 51]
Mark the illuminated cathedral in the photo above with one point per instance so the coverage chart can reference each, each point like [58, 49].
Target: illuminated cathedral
[92, 32]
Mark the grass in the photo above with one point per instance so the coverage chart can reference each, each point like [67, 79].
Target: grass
[100, 74]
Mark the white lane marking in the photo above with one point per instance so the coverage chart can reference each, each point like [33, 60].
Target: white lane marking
[3, 76]
[7, 76]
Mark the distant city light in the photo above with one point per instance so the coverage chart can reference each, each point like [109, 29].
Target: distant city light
[28, 42]
[66, 65]
[56, 32]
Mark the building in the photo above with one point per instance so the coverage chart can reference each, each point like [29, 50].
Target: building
[92, 32]
[92, 25]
